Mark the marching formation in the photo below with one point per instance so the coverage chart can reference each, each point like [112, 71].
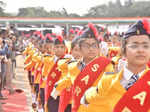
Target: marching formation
[89, 70]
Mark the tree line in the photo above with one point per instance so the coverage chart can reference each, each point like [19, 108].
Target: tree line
[130, 8]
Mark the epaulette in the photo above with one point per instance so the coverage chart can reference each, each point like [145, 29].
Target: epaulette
[110, 73]
[64, 58]
[47, 55]
[71, 61]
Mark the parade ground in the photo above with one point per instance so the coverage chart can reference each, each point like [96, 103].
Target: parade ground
[19, 101]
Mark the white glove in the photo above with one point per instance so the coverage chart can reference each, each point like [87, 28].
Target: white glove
[55, 93]
[82, 101]
[121, 64]
[104, 48]
[40, 110]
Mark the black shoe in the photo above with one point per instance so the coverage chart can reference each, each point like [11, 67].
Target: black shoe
[19, 90]
[3, 103]
[34, 106]
[3, 98]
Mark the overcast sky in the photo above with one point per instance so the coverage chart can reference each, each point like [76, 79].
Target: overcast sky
[72, 6]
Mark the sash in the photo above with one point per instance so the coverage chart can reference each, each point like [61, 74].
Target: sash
[32, 70]
[52, 78]
[137, 98]
[65, 98]
[86, 78]
[41, 80]
[38, 71]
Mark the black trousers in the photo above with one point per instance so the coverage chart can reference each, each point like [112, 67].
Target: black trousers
[68, 109]
[30, 77]
[36, 89]
[54, 104]
[42, 96]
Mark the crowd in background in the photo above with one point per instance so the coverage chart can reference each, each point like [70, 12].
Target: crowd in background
[9, 45]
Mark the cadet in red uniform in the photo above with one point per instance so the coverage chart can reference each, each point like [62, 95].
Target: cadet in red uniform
[54, 75]
[91, 68]
[128, 90]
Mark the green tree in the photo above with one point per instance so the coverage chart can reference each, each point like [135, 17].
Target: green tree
[130, 9]
[74, 15]
[41, 12]
[32, 12]
[55, 14]
[2, 5]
